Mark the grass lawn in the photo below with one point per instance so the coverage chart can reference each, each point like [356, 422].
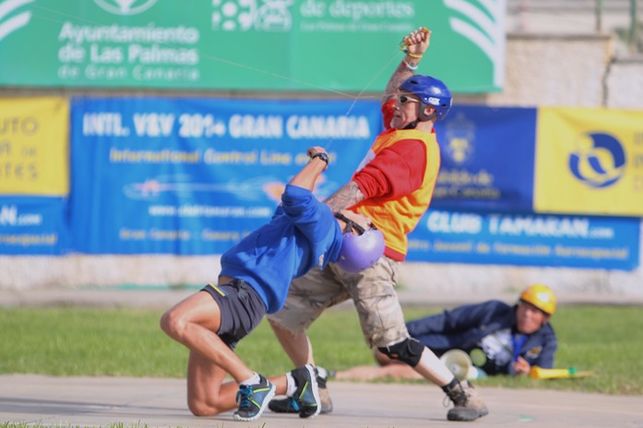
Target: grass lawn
[74, 341]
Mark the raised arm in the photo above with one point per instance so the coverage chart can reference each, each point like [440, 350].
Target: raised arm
[308, 175]
[416, 43]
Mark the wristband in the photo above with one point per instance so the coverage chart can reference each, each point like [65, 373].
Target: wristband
[321, 155]
[409, 66]
[415, 56]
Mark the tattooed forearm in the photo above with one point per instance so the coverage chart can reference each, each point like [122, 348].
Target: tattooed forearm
[347, 196]
[400, 75]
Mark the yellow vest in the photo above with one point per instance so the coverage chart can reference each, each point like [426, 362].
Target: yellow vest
[395, 218]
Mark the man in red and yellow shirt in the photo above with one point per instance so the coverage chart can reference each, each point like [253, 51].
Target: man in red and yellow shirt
[393, 187]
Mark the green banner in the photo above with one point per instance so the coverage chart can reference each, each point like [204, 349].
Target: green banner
[317, 45]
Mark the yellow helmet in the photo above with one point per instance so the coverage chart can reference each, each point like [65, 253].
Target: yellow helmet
[541, 297]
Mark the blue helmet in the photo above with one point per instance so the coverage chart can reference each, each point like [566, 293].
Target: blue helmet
[431, 92]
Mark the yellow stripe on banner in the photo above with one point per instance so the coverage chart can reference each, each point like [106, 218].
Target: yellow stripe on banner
[589, 161]
[34, 151]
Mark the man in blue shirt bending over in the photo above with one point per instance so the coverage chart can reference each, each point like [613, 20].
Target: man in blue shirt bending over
[254, 280]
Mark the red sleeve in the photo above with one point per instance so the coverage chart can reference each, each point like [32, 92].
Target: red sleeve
[388, 108]
[395, 171]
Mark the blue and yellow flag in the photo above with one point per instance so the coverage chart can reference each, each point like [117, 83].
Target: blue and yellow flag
[589, 161]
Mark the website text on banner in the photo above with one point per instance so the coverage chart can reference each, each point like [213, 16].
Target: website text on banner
[527, 239]
[194, 176]
[589, 161]
[244, 44]
[33, 226]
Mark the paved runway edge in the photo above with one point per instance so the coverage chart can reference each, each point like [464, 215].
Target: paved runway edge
[157, 402]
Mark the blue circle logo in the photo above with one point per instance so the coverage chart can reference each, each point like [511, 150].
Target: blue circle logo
[598, 161]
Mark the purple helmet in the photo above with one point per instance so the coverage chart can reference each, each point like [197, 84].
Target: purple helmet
[359, 251]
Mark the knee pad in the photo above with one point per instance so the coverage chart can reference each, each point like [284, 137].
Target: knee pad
[408, 351]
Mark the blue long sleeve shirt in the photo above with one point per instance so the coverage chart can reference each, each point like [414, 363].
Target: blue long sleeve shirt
[301, 234]
[488, 326]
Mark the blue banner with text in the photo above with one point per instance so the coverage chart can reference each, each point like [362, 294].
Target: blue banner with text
[193, 176]
[33, 225]
[487, 159]
[527, 239]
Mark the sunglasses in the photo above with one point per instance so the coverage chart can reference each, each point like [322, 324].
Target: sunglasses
[406, 99]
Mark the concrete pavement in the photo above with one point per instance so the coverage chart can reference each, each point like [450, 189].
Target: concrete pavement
[101, 401]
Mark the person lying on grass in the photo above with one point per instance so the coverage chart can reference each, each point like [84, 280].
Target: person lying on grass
[500, 338]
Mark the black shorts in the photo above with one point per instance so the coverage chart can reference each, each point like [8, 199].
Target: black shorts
[241, 309]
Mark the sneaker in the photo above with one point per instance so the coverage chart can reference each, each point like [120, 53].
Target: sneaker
[324, 395]
[290, 405]
[253, 399]
[307, 393]
[284, 405]
[467, 406]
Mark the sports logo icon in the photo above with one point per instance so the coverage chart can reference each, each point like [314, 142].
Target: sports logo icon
[11, 18]
[484, 26]
[598, 161]
[125, 7]
[460, 135]
[244, 15]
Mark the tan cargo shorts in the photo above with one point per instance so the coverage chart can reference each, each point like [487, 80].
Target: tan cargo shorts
[373, 293]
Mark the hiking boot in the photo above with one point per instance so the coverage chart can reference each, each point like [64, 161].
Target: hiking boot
[253, 399]
[467, 406]
[326, 402]
[307, 393]
[290, 405]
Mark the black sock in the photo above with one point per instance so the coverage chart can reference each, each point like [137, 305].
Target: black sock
[449, 386]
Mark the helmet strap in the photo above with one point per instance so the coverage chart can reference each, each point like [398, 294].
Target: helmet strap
[422, 117]
[412, 125]
[350, 224]
[425, 118]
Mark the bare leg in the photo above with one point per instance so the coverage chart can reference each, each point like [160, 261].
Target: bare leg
[383, 359]
[194, 323]
[430, 367]
[393, 371]
[297, 345]
[207, 394]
